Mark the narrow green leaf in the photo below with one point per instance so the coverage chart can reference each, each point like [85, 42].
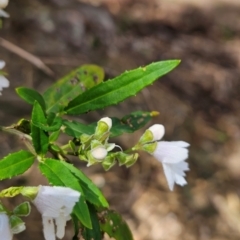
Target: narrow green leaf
[55, 126]
[76, 129]
[38, 115]
[40, 140]
[58, 175]
[69, 87]
[128, 124]
[54, 136]
[30, 96]
[90, 190]
[76, 226]
[39, 136]
[15, 164]
[95, 232]
[50, 124]
[116, 90]
[113, 224]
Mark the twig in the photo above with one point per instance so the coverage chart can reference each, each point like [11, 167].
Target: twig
[26, 55]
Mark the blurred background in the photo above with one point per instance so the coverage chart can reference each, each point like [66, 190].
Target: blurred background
[199, 102]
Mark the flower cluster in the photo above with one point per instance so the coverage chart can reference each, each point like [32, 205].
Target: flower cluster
[54, 203]
[172, 155]
[95, 148]
[4, 83]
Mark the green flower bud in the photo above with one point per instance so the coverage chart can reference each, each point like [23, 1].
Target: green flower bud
[127, 159]
[108, 162]
[103, 126]
[154, 133]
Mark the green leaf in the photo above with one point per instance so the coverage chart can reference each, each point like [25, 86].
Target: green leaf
[69, 87]
[38, 115]
[113, 224]
[76, 129]
[90, 190]
[58, 175]
[131, 123]
[39, 136]
[94, 233]
[15, 164]
[50, 124]
[30, 96]
[40, 140]
[116, 90]
[128, 124]
[54, 136]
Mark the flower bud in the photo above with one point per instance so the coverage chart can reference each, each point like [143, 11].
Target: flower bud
[154, 133]
[104, 125]
[99, 153]
[108, 121]
[157, 131]
[108, 162]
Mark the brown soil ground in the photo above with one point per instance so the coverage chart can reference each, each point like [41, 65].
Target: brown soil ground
[199, 102]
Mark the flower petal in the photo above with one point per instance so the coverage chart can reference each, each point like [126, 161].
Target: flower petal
[171, 152]
[51, 200]
[5, 231]
[48, 228]
[3, 82]
[60, 223]
[169, 175]
[4, 14]
[108, 121]
[158, 131]
[180, 144]
[2, 64]
[175, 173]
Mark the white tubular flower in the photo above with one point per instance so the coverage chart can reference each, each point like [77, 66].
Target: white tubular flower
[4, 83]
[55, 203]
[5, 229]
[172, 155]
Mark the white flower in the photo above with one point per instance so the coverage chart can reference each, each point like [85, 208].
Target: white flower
[172, 155]
[5, 229]
[55, 203]
[3, 3]
[4, 83]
